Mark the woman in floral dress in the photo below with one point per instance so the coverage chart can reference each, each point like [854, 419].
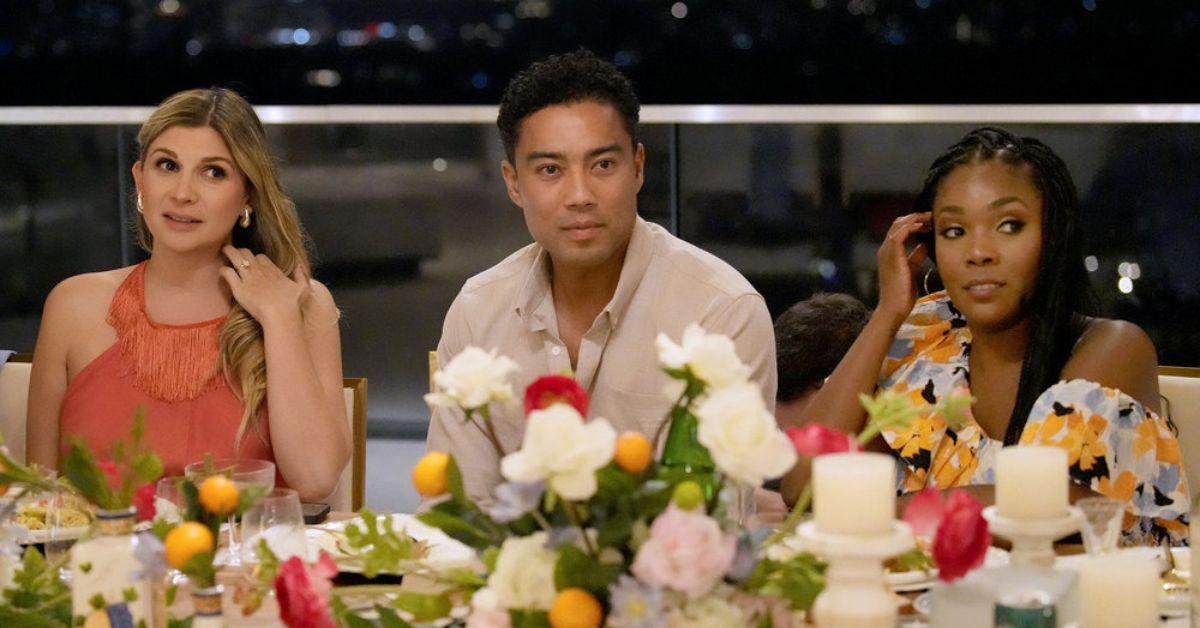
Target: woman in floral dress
[1000, 216]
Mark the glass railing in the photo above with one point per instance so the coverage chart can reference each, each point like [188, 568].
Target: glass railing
[405, 203]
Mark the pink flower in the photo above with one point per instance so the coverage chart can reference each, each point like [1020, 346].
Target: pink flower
[487, 611]
[962, 537]
[924, 512]
[815, 439]
[959, 531]
[551, 389]
[111, 473]
[303, 592]
[143, 500]
[687, 551]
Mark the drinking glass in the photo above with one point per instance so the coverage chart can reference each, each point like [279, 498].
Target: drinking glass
[66, 517]
[245, 473]
[278, 520]
[168, 501]
[1102, 525]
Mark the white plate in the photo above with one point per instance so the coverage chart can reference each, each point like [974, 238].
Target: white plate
[907, 581]
[33, 537]
[444, 552]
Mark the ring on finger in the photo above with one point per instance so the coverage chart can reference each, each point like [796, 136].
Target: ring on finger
[245, 263]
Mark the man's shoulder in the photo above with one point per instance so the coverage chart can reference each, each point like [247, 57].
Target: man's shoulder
[507, 275]
[683, 261]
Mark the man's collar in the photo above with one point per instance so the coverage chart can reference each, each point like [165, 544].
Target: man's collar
[535, 304]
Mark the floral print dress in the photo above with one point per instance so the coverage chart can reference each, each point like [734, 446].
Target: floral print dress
[1115, 446]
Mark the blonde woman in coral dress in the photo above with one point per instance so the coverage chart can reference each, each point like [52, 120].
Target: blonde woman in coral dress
[221, 323]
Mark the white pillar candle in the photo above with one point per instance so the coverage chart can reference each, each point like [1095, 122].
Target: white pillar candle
[1031, 482]
[1119, 591]
[854, 493]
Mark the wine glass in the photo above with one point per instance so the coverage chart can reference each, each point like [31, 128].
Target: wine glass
[278, 520]
[245, 474]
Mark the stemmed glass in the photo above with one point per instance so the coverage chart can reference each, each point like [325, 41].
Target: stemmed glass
[243, 473]
[278, 520]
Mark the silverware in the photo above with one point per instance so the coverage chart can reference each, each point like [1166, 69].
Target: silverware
[1173, 581]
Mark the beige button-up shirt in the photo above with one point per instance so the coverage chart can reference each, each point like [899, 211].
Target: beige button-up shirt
[665, 284]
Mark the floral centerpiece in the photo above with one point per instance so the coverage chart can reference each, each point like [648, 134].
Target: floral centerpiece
[589, 529]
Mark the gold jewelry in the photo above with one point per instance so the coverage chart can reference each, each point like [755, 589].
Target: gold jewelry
[139, 204]
[245, 221]
[245, 263]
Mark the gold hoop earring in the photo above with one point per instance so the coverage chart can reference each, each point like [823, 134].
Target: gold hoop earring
[926, 282]
[139, 204]
[245, 221]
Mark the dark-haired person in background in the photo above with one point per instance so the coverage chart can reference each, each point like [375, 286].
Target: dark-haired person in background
[1001, 217]
[599, 283]
[811, 337]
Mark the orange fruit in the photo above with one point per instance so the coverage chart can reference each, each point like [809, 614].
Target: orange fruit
[185, 541]
[633, 452]
[429, 474]
[575, 608]
[219, 495]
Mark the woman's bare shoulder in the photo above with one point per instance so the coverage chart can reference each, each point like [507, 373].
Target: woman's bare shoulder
[320, 308]
[1106, 337]
[85, 296]
[1117, 354]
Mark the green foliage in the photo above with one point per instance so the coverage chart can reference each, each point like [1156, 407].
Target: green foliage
[372, 542]
[199, 569]
[423, 606]
[798, 580]
[134, 467]
[914, 559]
[389, 619]
[575, 568]
[38, 598]
[466, 524]
[344, 616]
[528, 619]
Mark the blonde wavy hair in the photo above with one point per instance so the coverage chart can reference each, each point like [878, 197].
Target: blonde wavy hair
[274, 230]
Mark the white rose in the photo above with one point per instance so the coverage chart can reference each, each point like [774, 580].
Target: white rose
[562, 449]
[524, 574]
[712, 358]
[472, 379]
[742, 436]
[710, 611]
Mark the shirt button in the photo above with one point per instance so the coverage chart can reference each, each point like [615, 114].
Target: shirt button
[556, 349]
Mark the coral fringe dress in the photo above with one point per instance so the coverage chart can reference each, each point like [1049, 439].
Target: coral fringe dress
[174, 373]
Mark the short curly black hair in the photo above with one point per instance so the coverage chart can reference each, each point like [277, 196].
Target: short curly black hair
[566, 78]
[811, 337]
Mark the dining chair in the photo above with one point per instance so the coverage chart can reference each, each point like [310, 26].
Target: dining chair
[14, 399]
[351, 487]
[1179, 387]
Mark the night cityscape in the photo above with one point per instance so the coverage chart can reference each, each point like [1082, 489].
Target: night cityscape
[109, 52]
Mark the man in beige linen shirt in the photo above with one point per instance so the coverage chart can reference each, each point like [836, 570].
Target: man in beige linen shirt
[599, 283]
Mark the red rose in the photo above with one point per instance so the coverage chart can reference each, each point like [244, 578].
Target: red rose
[303, 592]
[962, 537]
[111, 473]
[143, 500]
[815, 439]
[548, 390]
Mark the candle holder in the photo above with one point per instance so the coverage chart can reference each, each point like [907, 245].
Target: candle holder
[856, 593]
[1033, 539]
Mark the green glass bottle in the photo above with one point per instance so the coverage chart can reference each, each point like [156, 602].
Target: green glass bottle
[684, 458]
